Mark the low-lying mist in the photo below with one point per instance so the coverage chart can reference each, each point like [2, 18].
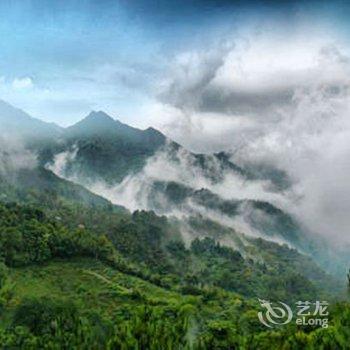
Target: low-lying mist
[14, 156]
[147, 189]
[269, 111]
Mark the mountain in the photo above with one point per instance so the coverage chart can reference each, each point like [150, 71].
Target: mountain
[102, 154]
[104, 149]
[18, 124]
[96, 123]
[144, 169]
[139, 285]
[77, 271]
[100, 124]
[262, 217]
[99, 148]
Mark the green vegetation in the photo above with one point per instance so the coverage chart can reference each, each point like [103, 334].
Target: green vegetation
[82, 276]
[83, 304]
[77, 272]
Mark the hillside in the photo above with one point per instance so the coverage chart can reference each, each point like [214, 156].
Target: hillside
[99, 300]
[103, 148]
[91, 305]
[79, 271]
[142, 169]
[19, 124]
[65, 284]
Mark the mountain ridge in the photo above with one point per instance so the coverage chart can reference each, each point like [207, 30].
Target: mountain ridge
[12, 117]
[99, 149]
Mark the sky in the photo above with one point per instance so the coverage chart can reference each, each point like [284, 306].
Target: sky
[61, 59]
[269, 80]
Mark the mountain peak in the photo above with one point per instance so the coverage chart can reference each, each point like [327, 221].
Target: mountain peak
[98, 119]
[99, 124]
[99, 115]
[94, 123]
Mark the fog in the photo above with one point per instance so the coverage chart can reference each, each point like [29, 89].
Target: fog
[271, 101]
[266, 101]
[14, 156]
[169, 165]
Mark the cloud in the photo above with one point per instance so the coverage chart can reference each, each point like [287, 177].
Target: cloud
[271, 100]
[22, 83]
[193, 72]
[250, 79]
[271, 103]
[144, 190]
[14, 156]
[273, 95]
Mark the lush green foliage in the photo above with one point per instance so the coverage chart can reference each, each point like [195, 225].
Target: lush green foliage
[82, 275]
[27, 237]
[91, 306]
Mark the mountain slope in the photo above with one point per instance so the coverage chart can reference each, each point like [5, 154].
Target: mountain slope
[85, 304]
[77, 271]
[143, 169]
[104, 149]
[19, 124]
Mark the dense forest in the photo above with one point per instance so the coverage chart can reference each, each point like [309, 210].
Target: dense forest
[85, 274]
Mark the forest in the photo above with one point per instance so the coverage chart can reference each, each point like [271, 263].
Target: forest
[94, 276]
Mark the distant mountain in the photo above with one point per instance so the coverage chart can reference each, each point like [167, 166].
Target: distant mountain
[147, 168]
[263, 218]
[78, 270]
[100, 124]
[18, 124]
[99, 149]
[96, 123]
[106, 149]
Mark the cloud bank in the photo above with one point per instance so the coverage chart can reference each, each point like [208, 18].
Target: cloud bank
[269, 97]
[284, 103]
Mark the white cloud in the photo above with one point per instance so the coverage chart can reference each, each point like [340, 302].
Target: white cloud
[22, 83]
[279, 99]
[14, 156]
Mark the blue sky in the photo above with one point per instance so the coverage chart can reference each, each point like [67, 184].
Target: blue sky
[61, 59]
